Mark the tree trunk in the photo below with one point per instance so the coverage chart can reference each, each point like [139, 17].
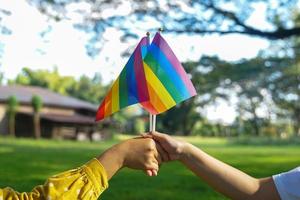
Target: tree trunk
[12, 125]
[297, 124]
[296, 129]
[37, 127]
[255, 118]
[184, 127]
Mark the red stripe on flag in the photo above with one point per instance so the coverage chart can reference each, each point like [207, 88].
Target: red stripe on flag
[100, 112]
[148, 106]
[140, 75]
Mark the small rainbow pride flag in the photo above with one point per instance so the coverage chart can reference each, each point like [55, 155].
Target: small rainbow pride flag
[152, 77]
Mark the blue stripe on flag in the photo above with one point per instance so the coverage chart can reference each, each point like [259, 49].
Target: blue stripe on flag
[168, 68]
[131, 82]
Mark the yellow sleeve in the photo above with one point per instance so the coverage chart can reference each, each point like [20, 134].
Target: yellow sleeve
[86, 182]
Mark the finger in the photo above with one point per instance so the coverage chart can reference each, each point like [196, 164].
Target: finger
[143, 134]
[154, 173]
[138, 137]
[155, 162]
[148, 172]
[162, 156]
[152, 165]
[155, 169]
[146, 135]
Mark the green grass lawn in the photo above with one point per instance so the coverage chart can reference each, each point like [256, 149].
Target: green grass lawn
[25, 163]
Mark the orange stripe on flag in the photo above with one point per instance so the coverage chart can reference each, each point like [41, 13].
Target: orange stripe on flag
[108, 104]
[159, 92]
[155, 100]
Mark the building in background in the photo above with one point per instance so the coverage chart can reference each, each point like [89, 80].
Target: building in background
[61, 116]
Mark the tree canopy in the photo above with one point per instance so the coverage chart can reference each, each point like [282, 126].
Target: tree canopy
[37, 103]
[268, 83]
[1, 78]
[196, 17]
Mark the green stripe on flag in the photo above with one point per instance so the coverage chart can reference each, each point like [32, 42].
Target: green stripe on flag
[163, 77]
[123, 89]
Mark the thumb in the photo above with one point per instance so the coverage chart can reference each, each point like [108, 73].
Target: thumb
[146, 135]
[158, 136]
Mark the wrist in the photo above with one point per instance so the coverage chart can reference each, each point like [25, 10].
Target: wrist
[112, 160]
[119, 153]
[184, 151]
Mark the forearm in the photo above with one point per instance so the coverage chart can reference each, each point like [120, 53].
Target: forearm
[227, 180]
[112, 160]
[136, 153]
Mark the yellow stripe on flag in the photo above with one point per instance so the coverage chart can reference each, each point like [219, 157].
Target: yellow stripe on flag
[159, 88]
[155, 101]
[115, 96]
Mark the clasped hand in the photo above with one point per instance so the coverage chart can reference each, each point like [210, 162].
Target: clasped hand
[144, 153]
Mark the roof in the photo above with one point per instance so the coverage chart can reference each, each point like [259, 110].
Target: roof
[74, 119]
[25, 93]
[70, 119]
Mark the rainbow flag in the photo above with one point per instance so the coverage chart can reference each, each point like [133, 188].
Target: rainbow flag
[153, 77]
[167, 82]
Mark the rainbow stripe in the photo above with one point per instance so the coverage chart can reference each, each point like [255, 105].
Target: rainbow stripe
[153, 77]
[129, 88]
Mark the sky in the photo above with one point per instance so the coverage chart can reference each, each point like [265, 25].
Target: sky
[64, 47]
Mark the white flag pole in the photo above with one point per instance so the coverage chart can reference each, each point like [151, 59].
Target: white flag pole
[150, 115]
[150, 122]
[153, 123]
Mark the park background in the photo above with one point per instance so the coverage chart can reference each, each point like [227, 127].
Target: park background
[242, 56]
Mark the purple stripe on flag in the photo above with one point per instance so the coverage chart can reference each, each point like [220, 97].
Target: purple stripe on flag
[165, 48]
[144, 41]
[139, 72]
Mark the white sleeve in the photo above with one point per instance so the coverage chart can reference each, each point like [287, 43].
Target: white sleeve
[288, 184]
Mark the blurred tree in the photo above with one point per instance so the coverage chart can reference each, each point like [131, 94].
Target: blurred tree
[253, 80]
[236, 78]
[37, 105]
[1, 78]
[284, 83]
[189, 17]
[139, 125]
[248, 80]
[183, 118]
[3, 28]
[88, 89]
[12, 107]
[285, 89]
[44, 78]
